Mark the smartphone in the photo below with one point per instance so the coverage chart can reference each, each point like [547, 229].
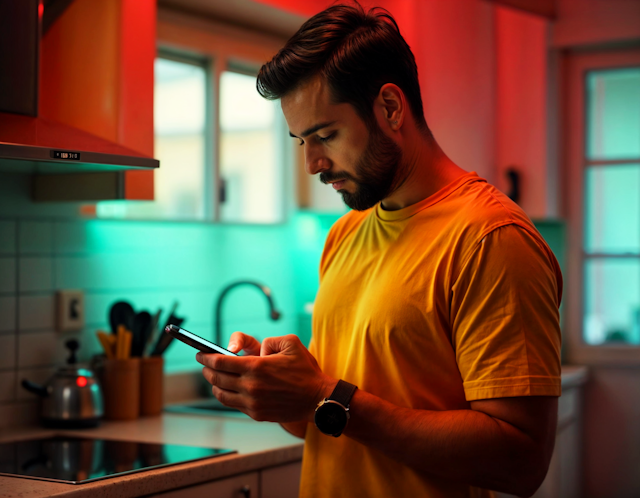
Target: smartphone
[196, 341]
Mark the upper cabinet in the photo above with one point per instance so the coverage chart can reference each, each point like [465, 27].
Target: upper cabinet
[90, 134]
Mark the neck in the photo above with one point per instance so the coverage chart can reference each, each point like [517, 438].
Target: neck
[426, 169]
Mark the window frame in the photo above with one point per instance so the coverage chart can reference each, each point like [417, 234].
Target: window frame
[186, 57]
[225, 48]
[577, 64]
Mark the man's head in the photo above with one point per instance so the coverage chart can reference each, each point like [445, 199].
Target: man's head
[332, 72]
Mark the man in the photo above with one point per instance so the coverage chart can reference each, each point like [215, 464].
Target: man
[438, 298]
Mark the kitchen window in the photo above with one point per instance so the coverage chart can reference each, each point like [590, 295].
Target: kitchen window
[603, 187]
[182, 129]
[224, 151]
[251, 152]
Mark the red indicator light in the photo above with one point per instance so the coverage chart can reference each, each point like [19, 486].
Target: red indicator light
[81, 381]
[40, 10]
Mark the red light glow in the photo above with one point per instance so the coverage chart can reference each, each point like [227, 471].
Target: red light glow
[40, 10]
[81, 381]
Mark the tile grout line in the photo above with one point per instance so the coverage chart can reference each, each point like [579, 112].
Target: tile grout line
[16, 319]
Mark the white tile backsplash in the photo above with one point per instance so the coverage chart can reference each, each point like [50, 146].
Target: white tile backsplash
[41, 349]
[7, 275]
[7, 385]
[19, 414]
[36, 274]
[7, 237]
[36, 312]
[8, 321]
[7, 351]
[35, 237]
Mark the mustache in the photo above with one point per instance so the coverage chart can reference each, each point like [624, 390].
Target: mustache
[327, 177]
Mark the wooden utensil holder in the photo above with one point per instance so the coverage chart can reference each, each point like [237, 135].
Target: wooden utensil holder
[151, 386]
[121, 389]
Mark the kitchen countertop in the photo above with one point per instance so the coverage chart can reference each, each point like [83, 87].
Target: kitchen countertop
[573, 376]
[259, 445]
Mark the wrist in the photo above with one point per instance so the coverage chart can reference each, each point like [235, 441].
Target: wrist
[327, 385]
[332, 413]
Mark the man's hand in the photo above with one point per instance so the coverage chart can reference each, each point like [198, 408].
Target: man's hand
[283, 384]
[243, 342]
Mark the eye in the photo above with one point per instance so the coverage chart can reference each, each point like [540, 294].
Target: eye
[301, 142]
[326, 139]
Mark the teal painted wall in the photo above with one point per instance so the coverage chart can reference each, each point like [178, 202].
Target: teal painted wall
[151, 264]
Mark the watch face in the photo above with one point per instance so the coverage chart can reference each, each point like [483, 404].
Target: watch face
[331, 418]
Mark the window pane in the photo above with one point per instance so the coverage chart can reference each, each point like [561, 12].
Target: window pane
[250, 152]
[613, 110]
[612, 209]
[612, 301]
[180, 103]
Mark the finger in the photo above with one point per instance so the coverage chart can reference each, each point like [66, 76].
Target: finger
[223, 363]
[284, 344]
[243, 342]
[223, 380]
[228, 398]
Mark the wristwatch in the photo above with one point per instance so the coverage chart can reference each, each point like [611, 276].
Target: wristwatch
[332, 413]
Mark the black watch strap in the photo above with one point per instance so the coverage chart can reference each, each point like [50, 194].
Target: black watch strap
[342, 393]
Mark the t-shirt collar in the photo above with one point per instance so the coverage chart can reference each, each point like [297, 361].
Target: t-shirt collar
[407, 212]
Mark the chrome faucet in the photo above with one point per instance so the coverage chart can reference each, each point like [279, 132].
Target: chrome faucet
[273, 313]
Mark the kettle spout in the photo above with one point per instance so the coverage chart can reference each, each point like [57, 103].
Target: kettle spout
[35, 388]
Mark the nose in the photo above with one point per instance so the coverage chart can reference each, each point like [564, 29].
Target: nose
[314, 160]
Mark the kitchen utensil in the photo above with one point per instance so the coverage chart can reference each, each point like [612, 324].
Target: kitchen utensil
[108, 342]
[165, 339]
[121, 313]
[72, 397]
[141, 330]
[151, 336]
[123, 343]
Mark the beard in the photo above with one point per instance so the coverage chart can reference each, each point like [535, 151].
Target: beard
[376, 173]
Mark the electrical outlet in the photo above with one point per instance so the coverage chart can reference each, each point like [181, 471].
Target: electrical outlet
[69, 310]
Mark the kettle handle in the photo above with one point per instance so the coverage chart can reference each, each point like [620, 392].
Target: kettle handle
[35, 388]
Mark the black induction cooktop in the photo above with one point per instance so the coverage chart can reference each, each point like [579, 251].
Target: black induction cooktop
[78, 460]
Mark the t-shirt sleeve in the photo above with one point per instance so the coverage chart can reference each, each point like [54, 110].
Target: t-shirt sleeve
[505, 319]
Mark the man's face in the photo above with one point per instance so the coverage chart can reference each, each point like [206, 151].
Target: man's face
[360, 163]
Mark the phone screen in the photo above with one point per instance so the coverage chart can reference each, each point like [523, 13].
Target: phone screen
[195, 341]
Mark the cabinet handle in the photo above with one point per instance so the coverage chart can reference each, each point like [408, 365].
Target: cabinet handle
[246, 491]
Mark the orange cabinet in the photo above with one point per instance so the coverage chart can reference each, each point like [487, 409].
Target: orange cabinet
[96, 75]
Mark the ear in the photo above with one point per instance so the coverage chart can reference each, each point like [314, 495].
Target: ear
[392, 102]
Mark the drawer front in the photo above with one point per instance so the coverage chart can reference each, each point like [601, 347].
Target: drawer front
[240, 486]
[282, 481]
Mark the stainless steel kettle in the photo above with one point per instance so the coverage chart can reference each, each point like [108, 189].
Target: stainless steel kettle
[72, 397]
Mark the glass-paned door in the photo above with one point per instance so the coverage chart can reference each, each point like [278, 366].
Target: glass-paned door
[611, 207]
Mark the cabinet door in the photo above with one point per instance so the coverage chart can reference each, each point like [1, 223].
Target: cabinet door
[240, 486]
[100, 80]
[282, 481]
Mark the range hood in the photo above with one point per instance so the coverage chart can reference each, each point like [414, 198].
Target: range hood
[30, 143]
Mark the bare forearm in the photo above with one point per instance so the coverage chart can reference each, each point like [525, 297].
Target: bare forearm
[298, 429]
[463, 445]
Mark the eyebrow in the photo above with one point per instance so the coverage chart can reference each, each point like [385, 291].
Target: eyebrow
[311, 130]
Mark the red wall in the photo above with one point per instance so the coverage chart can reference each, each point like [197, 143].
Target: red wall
[521, 104]
[482, 71]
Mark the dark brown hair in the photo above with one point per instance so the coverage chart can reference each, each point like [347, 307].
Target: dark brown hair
[355, 51]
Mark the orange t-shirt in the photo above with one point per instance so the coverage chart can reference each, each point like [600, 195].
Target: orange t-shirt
[449, 300]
